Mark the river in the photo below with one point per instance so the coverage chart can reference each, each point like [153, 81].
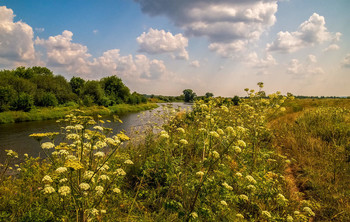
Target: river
[15, 136]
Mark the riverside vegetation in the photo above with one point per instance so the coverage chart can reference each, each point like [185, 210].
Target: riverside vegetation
[258, 160]
[36, 94]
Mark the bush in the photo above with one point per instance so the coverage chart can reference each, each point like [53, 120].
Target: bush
[24, 102]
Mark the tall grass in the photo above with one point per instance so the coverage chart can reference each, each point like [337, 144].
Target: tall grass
[318, 140]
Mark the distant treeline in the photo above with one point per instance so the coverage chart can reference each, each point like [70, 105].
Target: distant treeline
[23, 88]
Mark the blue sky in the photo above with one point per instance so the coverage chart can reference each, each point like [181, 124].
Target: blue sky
[163, 47]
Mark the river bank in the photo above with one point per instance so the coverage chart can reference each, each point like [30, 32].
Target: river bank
[48, 113]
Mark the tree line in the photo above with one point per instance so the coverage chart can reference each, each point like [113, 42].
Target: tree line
[23, 88]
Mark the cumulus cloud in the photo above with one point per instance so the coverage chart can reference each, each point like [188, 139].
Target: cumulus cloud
[195, 64]
[332, 47]
[159, 41]
[229, 25]
[74, 58]
[39, 29]
[254, 61]
[346, 61]
[16, 38]
[303, 69]
[311, 32]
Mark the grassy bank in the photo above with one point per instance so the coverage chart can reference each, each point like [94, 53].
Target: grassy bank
[317, 138]
[59, 112]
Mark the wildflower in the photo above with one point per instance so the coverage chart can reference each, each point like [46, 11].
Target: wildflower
[183, 141]
[200, 173]
[48, 189]
[73, 136]
[98, 128]
[164, 135]
[101, 144]
[296, 213]
[237, 149]
[266, 214]
[104, 167]
[120, 172]
[63, 180]
[203, 106]
[224, 108]
[103, 211]
[104, 177]
[243, 197]
[252, 188]
[128, 162]
[99, 190]
[282, 109]
[74, 164]
[88, 174]
[181, 130]
[47, 179]
[63, 152]
[61, 169]
[93, 212]
[223, 203]
[26, 155]
[99, 154]
[194, 215]
[220, 131]
[123, 137]
[214, 134]
[224, 184]
[239, 174]
[289, 218]
[241, 143]
[230, 130]
[116, 190]
[309, 211]
[250, 179]
[64, 190]
[240, 216]
[84, 186]
[215, 155]
[78, 127]
[47, 145]
[281, 199]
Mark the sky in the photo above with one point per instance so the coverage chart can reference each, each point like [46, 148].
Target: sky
[163, 47]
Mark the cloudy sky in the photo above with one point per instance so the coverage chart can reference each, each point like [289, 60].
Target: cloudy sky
[163, 47]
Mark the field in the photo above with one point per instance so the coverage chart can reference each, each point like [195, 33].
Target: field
[272, 158]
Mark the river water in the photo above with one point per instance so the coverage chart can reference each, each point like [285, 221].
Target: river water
[15, 136]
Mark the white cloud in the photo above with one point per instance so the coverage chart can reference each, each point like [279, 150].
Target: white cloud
[310, 33]
[304, 69]
[346, 61]
[254, 61]
[159, 41]
[16, 39]
[95, 31]
[195, 63]
[332, 47]
[74, 58]
[229, 25]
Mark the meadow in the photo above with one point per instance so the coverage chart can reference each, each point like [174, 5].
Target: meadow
[272, 158]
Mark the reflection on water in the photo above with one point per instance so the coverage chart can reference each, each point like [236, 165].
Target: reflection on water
[15, 136]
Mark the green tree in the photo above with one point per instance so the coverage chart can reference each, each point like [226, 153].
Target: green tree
[94, 91]
[115, 89]
[209, 94]
[77, 85]
[189, 95]
[235, 100]
[23, 102]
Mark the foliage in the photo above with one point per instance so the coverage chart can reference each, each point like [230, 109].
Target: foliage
[189, 95]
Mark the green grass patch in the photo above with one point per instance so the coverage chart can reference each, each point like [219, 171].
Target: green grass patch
[46, 113]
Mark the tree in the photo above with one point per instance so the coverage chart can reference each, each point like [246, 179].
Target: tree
[189, 95]
[235, 100]
[93, 90]
[209, 94]
[115, 89]
[77, 85]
